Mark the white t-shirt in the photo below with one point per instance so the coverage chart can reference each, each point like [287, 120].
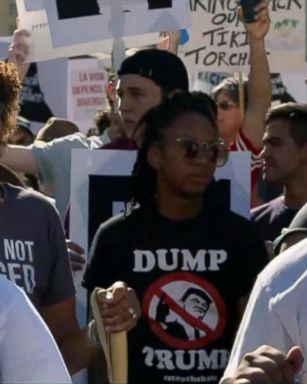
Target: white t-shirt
[276, 313]
[53, 162]
[28, 352]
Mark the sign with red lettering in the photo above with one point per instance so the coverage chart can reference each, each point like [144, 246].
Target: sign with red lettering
[86, 90]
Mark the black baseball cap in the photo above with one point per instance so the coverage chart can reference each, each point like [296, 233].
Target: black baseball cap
[162, 67]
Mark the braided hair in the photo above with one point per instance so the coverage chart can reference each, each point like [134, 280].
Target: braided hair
[153, 124]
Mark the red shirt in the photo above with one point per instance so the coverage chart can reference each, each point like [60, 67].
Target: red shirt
[241, 143]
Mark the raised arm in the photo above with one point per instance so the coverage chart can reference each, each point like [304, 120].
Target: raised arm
[259, 81]
[19, 50]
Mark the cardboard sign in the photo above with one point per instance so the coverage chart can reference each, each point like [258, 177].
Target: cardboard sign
[218, 40]
[108, 19]
[32, 17]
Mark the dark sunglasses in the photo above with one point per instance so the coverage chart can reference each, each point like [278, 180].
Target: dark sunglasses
[225, 105]
[215, 151]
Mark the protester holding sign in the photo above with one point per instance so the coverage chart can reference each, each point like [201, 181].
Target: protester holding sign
[179, 248]
[242, 106]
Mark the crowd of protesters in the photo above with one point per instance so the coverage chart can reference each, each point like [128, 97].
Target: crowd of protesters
[190, 281]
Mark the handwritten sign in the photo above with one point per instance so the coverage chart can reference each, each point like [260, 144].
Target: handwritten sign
[86, 90]
[218, 41]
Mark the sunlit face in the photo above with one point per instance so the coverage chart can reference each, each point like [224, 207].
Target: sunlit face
[282, 157]
[196, 305]
[136, 95]
[229, 117]
[176, 174]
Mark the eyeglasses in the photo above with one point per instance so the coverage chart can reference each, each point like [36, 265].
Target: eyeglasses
[225, 105]
[214, 151]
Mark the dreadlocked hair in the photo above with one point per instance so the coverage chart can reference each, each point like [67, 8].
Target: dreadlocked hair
[9, 99]
[153, 124]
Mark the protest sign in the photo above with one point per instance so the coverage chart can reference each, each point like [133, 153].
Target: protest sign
[86, 91]
[118, 165]
[108, 19]
[32, 17]
[44, 92]
[218, 41]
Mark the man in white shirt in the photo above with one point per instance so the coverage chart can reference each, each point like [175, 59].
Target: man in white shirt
[276, 313]
[28, 352]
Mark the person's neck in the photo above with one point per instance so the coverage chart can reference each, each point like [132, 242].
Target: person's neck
[179, 208]
[295, 195]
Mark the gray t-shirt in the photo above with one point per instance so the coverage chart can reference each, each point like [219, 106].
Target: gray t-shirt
[53, 161]
[33, 252]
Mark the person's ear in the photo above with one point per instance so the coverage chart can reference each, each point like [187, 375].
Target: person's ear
[154, 156]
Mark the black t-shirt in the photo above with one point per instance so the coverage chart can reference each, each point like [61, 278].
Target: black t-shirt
[269, 219]
[188, 276]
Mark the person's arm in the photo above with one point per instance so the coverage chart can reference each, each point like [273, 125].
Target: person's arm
[260, 325]
[19, 159]
[28, 352]
[259, 81]
[169, 41]
[77, 349]
[19, 50]
[119, 312]
[268, 365]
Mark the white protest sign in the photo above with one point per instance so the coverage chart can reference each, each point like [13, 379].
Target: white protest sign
[33, 18]
[218, 41]
[86, 91]
[107, 19]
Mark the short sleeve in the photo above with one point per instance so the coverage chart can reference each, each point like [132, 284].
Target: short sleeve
[251, 257]
[105, 258]
[61, 285]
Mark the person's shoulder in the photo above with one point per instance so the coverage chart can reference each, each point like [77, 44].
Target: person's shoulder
[28, 197]
[267, 208]
[285, 269]
[241, 228]
[124, 221]
[75, 140]
[234, 218]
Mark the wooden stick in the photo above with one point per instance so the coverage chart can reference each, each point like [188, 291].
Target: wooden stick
[114, 345]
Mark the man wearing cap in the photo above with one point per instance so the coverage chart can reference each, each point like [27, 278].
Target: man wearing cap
[284, 163]
[276, 315]
[145, 79]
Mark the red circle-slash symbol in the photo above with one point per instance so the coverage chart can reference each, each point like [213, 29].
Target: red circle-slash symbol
[183, 323]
